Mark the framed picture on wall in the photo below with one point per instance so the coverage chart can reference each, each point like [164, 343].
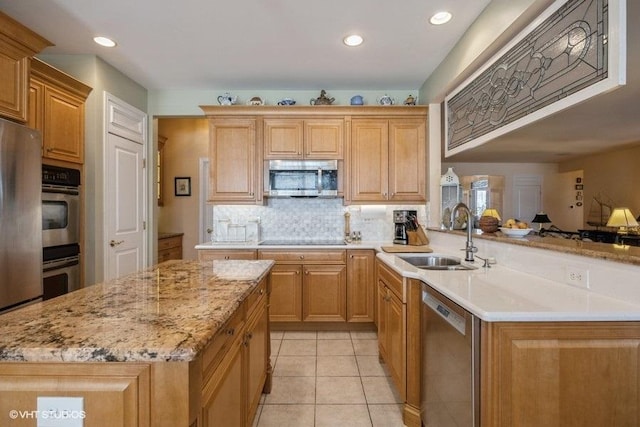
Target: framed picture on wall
[182, 186]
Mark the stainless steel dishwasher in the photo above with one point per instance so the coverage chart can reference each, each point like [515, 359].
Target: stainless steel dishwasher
[450, 363]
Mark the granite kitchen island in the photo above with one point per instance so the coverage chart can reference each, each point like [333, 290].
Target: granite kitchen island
[176, 344]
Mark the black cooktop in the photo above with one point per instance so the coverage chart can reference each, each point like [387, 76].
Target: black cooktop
[323, 242]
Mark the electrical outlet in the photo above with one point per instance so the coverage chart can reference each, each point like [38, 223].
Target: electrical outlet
[577, 276]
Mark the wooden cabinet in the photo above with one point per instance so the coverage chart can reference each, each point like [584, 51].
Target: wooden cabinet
[361, 285]
[303, 138]
[324, 293]
[233, 174]
[56, 106]
[387, 160]
[560, 374]
[392, 326]
[286, 293]
[17, 45]
[222, 395]
[226, 254]
[169, 247]
[307, 285]
[233, 383]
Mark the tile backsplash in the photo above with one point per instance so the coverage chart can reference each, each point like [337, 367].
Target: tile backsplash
[313, 218]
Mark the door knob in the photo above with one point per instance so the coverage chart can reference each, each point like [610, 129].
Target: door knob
[114, 243]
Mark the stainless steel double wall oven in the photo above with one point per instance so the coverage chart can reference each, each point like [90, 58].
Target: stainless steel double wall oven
[60, 230]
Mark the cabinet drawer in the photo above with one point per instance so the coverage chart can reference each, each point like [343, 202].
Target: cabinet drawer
[170, 242]
[305, 256]
[391, 279]
[171, 253]
[217, 348]
[255, 296]
[208, 254]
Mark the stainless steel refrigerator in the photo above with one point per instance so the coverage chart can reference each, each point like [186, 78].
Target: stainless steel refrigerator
[20, 215]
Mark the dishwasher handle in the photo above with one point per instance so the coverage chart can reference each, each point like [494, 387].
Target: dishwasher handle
[445, 312]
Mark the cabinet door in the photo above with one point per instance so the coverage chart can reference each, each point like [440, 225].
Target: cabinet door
[286, 293]
[63, 135]
[222, 395]
[36, 106]
[324, 139]
[407, 160]
[360, 286]
[283, 139]
[232, 160]
[14, 66]
[369, 160]
[257, 354]
[396, 344]
[324, 293]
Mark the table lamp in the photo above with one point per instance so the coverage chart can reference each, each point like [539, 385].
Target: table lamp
[489, 220]
[540, 218]
[623, 219]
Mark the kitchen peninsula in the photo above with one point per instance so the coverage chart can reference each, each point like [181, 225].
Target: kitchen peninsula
[176, 344]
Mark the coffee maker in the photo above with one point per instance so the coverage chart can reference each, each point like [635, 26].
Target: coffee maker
[400, 219]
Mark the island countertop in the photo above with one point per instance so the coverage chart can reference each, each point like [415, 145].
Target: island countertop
[168, 312]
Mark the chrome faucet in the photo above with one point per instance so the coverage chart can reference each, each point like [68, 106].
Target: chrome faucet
[469, 249]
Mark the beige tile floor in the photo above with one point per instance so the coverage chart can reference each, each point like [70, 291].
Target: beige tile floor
[328, 379]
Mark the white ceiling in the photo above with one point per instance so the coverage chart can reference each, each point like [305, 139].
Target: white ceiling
[253, 44]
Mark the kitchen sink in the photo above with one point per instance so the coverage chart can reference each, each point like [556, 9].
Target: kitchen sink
[437, 262]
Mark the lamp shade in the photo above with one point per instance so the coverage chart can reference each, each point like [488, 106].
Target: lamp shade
[622, 217]
[541, 218]
[492, 213]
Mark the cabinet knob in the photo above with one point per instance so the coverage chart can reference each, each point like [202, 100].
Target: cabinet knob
[231, 331]
[351, 256]
[301, 256]
[226, 257]
[306, 272]
[261, 292]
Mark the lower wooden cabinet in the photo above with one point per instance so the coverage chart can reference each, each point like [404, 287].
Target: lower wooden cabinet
[222, 395]
[318, 285]
[560, 374]
[361, 288]
[324, 293]
[392, 333]
[169, 247]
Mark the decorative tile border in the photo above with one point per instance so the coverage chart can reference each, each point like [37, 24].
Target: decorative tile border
[572, 52]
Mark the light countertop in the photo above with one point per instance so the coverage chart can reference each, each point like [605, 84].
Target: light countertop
[168, 312]
[499, 293]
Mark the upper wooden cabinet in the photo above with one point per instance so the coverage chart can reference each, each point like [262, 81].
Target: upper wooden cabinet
[303, 139]
[17, 45]
[56, 108]
[383, 148]
[233, 175]
[388, 160]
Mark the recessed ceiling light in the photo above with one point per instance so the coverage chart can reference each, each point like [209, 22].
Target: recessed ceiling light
[353, 40]
[440, 18]
[104, 41]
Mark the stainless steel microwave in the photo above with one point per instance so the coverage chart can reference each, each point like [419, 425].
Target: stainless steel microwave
[302, 178]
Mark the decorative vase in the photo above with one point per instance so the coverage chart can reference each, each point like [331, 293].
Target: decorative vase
[488, 224]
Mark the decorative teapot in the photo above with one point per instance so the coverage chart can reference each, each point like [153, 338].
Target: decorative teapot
[357, 100]
[322, 99]
[227, 99]
[385, 100]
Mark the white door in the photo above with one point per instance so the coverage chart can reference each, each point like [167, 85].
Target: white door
[527, 197]
[125, 236]
[124, 197]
